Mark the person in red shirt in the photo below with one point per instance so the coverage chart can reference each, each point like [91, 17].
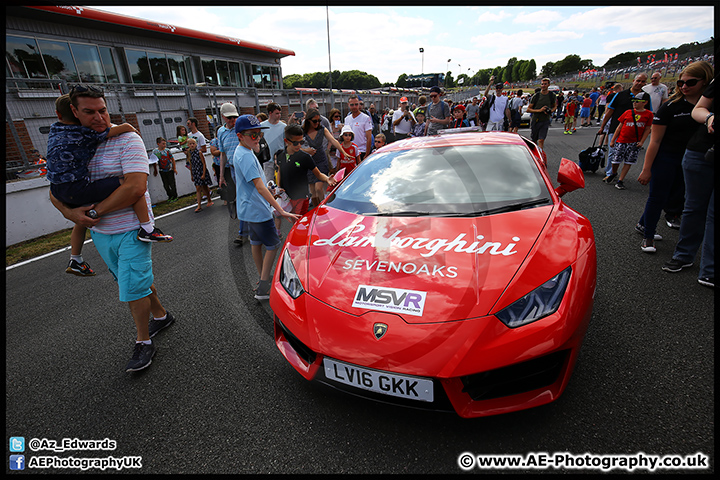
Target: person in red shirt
[634, 126]
[585, 111]
[350, 161]
[569, 114]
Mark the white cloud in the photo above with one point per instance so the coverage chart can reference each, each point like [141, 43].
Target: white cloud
[647, 19]
[493, 17]
[539, 17]
[648, 42]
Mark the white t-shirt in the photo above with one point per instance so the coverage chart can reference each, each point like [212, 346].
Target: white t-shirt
[405, 126]
[497, 111]
[657, 94]
[199, 137]
[360, 124]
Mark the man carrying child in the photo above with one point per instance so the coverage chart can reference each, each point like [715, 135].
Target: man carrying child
[114, 224]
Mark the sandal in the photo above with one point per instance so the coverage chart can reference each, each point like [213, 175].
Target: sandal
[198, 209]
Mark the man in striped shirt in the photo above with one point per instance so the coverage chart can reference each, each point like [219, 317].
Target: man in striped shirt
[114, 225]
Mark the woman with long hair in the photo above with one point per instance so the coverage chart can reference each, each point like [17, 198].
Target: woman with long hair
[672, 128]
[317, 138]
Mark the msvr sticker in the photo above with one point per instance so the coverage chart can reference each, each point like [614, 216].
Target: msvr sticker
[386, 299]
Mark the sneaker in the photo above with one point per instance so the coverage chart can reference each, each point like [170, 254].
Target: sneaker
[673, 222]
[707, 281]
[641, 230]
[142, 357]
[79, 269]
[156, 325]
[674, 265]
[153, 237]
[239, 240]
[609, 179]
[648, 246]
[620, 185]
[263, 290]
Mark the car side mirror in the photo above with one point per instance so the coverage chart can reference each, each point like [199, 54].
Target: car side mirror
[570, 177]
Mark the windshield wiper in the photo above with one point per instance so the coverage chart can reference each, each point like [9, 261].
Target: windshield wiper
[505, 208]
[400, 213]
[512, 207]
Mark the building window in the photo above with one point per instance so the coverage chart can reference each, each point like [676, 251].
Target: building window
[223, 73]
[23, 59]
[275, 78]
[209, 73]
[88, 63]
[139, 66]
[58, 60]
[159, 68]
[180, 70]
[235, 74]
[109, 65]
[256, 72]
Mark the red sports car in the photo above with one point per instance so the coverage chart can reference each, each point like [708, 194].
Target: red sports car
[445, 273]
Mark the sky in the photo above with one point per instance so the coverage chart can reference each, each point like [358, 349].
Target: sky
[385, 41]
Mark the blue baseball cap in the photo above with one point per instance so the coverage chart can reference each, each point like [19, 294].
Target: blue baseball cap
[247, 122]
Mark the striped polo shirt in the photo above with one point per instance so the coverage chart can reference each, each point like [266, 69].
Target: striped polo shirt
[116, 157]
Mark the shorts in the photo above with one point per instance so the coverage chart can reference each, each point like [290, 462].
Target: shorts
[624, 153]
[263, 233]
[585, 112]
[515, 118]
[300, 206]
[84, 192]
[539, 129]
[130, 262]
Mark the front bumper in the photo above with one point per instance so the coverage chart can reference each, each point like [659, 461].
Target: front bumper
[478, 366]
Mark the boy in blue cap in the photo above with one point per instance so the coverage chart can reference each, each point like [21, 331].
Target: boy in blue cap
[255, 202]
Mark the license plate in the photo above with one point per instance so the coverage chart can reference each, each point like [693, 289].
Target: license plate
[386, 383]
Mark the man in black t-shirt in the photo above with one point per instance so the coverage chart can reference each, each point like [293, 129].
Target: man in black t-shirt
[293, 165]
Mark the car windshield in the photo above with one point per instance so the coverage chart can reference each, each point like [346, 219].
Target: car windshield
[468, 180]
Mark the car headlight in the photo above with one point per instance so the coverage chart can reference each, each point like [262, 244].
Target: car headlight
[289, 278]
[537, 304]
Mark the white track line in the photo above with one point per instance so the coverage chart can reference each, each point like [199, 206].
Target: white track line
[25, 262]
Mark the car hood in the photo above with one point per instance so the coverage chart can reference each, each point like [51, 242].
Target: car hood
[425, 269]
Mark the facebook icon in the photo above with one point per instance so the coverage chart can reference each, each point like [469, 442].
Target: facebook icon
[17, 462]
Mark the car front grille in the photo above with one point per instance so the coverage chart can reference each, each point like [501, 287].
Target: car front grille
[514, 379]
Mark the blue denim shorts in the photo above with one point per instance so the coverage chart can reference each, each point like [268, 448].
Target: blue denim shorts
[130, 262]
[263, 233]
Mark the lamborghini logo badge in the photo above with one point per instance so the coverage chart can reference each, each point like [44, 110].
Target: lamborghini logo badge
[379, 330]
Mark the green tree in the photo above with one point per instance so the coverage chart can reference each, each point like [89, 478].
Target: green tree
[449, 82]
[548, 70]
[401, 81]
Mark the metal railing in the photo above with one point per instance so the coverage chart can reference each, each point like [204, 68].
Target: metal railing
[159, 108]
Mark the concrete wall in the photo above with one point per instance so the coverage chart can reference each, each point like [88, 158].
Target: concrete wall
[30, 214]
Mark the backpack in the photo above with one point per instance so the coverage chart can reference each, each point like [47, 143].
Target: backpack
[484, 113]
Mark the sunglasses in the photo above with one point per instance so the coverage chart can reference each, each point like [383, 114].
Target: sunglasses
[690, 83]
[315, 120]
[253, 135]
[294, 144]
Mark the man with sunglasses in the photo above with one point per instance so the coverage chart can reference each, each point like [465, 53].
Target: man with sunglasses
[255, 202]
[114, 223]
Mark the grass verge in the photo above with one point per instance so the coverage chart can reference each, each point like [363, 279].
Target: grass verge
[55, 241]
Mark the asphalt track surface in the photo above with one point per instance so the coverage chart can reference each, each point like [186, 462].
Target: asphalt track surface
[220, 398]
